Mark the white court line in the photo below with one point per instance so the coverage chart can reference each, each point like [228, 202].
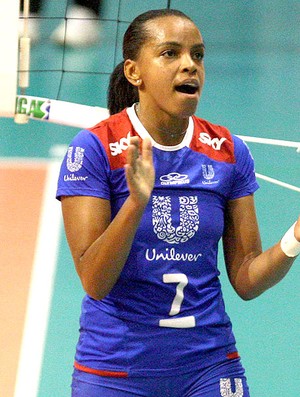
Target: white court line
[41, 287]
[277, 182]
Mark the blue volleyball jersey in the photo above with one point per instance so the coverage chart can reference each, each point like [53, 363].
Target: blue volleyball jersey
[166, 311]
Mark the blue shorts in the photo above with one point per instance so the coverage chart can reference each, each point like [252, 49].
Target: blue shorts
[224, 379]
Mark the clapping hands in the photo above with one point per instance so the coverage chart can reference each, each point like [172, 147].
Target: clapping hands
[139, 170]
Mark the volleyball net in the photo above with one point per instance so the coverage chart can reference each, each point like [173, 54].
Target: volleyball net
[15, 79]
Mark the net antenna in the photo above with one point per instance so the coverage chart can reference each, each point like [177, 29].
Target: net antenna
[24, 61]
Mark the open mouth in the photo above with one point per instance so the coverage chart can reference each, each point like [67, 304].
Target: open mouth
[190, 89]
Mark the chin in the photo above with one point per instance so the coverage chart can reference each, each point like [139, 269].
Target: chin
[188, 109]
[189, 104]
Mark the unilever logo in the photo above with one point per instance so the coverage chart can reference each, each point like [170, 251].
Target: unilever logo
[208, 173]
[74, 161]
[163, 225]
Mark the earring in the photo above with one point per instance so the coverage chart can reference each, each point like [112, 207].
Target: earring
[138, 81]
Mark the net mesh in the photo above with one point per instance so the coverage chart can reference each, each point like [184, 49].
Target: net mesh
[81, 75]
[70, 69]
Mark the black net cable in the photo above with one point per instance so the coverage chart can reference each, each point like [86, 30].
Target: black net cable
[117, 34]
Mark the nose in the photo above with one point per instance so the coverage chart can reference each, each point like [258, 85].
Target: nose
[188, 64]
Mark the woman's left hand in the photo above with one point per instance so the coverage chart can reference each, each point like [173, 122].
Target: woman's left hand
[297, 230]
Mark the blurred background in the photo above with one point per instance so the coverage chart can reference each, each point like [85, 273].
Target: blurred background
[252, 87]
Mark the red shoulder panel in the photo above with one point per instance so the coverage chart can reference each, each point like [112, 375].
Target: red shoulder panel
[114, 134]
[213, 140]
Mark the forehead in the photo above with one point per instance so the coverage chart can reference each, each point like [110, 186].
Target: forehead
[172, 28]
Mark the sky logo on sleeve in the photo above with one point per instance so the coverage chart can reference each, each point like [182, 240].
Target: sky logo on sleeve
[215, 143]
[118, 147]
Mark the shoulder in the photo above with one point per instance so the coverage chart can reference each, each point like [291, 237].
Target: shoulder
[113, 128]
[114, 134]
[213, 140]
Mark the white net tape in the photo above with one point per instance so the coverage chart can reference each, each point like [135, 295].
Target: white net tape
[59, 112]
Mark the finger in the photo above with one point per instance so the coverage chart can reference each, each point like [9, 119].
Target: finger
[133, 152]
[147, 149]
[129, 174]
[131, 156]
[134, 140]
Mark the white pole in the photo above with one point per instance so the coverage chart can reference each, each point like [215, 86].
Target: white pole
[9, 18]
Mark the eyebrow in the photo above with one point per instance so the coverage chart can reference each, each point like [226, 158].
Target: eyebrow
[176, 44]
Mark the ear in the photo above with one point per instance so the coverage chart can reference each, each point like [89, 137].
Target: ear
[132, 72]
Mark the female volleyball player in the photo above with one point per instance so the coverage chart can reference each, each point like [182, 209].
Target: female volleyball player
[146, 196]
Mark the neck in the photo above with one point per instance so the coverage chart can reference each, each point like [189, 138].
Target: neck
[169, 132]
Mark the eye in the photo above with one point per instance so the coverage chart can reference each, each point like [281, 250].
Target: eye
[169, 53]
[198, 56]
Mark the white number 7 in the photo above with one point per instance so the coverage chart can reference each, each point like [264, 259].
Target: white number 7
[181, 322]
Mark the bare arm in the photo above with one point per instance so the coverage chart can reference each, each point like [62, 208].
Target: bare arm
[251, 271]
[100, 247]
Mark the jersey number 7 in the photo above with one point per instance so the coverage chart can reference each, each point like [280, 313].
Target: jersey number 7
[179, 322]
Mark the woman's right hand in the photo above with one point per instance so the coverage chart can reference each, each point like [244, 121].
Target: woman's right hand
[139, 170]
[91, 234]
